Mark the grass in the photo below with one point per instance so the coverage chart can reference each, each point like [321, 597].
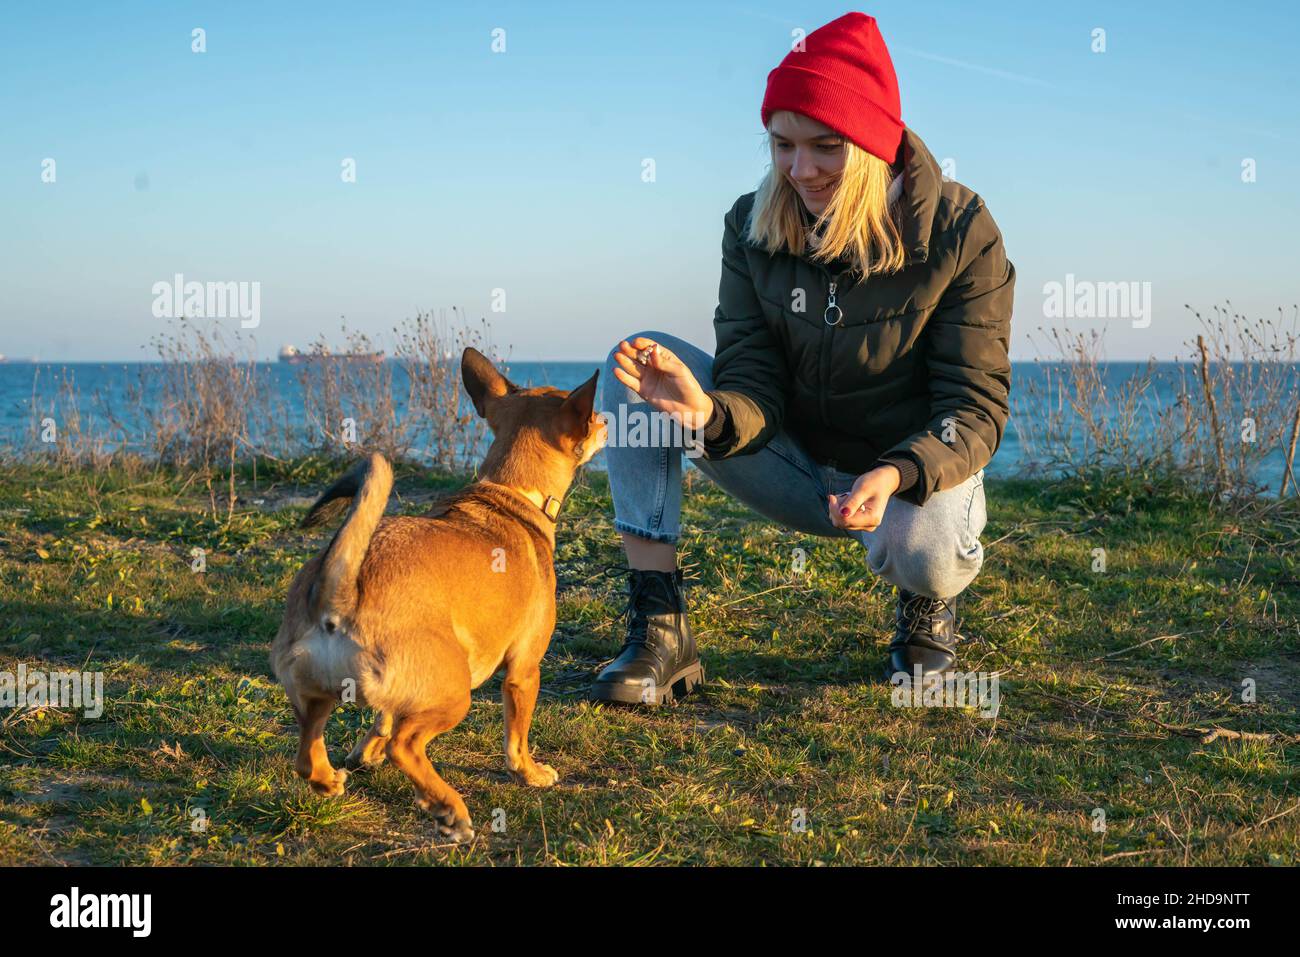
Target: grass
[1109, 682]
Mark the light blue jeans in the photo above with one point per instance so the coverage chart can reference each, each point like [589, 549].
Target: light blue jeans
[932, 550]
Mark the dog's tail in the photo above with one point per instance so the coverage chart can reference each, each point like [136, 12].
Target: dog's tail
[367, 486]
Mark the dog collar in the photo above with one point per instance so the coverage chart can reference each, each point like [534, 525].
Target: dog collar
[550, 504]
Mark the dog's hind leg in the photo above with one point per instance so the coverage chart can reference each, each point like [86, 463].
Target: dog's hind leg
[371, 750]
[411, 736]
[313, 762]
[518, 698]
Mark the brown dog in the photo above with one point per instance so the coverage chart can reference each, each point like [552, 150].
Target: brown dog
[411, 613]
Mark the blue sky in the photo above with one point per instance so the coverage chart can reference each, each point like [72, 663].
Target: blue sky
[522, 170]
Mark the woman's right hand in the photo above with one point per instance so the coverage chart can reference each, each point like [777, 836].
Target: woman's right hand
[663, 381]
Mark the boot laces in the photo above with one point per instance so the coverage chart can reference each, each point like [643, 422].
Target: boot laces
[924, 613]
[634, 613]
[637, 620]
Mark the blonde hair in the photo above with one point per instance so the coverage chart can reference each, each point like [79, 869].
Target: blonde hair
[858, 219]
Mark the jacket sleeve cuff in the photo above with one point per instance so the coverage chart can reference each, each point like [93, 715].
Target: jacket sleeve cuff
[907, 470]
[717, 424]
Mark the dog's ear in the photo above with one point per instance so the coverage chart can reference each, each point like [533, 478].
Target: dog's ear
[575, 414]
[482, 380]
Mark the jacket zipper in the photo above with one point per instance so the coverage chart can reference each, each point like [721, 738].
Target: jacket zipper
[828, 333]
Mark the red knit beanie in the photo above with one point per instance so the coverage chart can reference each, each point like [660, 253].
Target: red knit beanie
[844, 78]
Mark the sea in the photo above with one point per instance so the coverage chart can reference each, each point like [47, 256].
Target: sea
[26, 387]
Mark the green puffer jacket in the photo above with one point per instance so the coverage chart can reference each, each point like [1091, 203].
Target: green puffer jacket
[916, 370]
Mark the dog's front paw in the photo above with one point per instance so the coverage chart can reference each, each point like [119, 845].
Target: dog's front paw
[537, 775]
[331, 787]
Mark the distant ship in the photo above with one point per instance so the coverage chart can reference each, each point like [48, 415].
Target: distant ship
[293, 356]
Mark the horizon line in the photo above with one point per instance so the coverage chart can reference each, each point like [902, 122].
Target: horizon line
[274, 360]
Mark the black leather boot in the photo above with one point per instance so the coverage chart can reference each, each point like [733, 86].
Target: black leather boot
[925, 634]
[658, 661]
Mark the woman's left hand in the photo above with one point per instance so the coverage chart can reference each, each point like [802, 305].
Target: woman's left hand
[863, 507]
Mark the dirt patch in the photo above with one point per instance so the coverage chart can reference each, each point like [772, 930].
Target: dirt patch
[1276, 679]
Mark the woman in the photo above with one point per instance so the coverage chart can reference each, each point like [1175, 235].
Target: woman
[861, 378]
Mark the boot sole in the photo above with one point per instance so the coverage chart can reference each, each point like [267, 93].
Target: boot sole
[681, 684]
[888, 674]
